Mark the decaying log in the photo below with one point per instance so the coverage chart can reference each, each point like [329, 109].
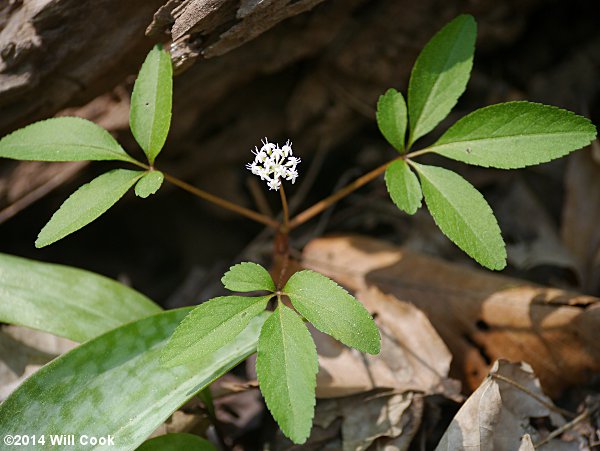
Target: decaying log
[63, 53]
[310, 70]
[59, 53]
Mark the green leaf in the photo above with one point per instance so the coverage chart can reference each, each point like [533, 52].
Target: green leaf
[514, 135]
[151, 101]
[177, 442]
[248, 276]
[440, 75]
[463, 215]
[287, 366]
[87, 204]
[114, 385]
[62, 139]
[391, 118]
[332, 310]
[149, 184]
[403, 186]
[65, 301]
[210, 326]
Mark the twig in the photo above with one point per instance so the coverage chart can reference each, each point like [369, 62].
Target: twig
[40, 191]
[578, 419]
[535, 396]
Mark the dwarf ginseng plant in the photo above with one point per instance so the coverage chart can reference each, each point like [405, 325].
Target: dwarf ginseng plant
[173, 355]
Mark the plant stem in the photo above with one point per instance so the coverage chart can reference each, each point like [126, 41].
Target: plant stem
[286, 212]
[299, 219]
[324, 204]
[418, 153]
[282, 247]
[258, 217]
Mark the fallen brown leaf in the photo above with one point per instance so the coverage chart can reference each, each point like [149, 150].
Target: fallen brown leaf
[498, 414]
[23, 351]
[413, 357]
[373, 420]
[526, 443]
[480, 316]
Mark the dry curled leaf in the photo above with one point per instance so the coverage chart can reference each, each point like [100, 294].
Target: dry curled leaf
[526, 443]
[498, 414]
[373, 420]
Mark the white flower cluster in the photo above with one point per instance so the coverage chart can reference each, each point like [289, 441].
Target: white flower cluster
[273, 163]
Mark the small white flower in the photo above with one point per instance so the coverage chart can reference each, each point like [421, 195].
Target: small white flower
[273, 163]
[274, 183]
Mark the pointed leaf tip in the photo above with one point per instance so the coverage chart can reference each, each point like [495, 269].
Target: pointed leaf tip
[151, 103]
[440, 75]
[62, 139]
[332, 310]
[515, 135]
[463, 215]
[86, 204]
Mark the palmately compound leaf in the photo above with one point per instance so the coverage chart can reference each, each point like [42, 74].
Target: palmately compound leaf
[62, 139]
[87, 204]
[65, 301]
[403, 186]
[248, 276]
[463, 215]
[177, 442]
[332, 310]
[287, 366]
[514, 135]
[392, 118]
[210, 326]
[440, 75]
[151, 102]
[149, 184]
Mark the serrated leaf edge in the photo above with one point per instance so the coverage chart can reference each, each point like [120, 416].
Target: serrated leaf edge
[316, 369]
[504, 256]
[246, 263]
[323, 306]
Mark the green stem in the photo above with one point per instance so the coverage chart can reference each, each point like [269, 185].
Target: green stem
[419, 152]
[250, 214]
